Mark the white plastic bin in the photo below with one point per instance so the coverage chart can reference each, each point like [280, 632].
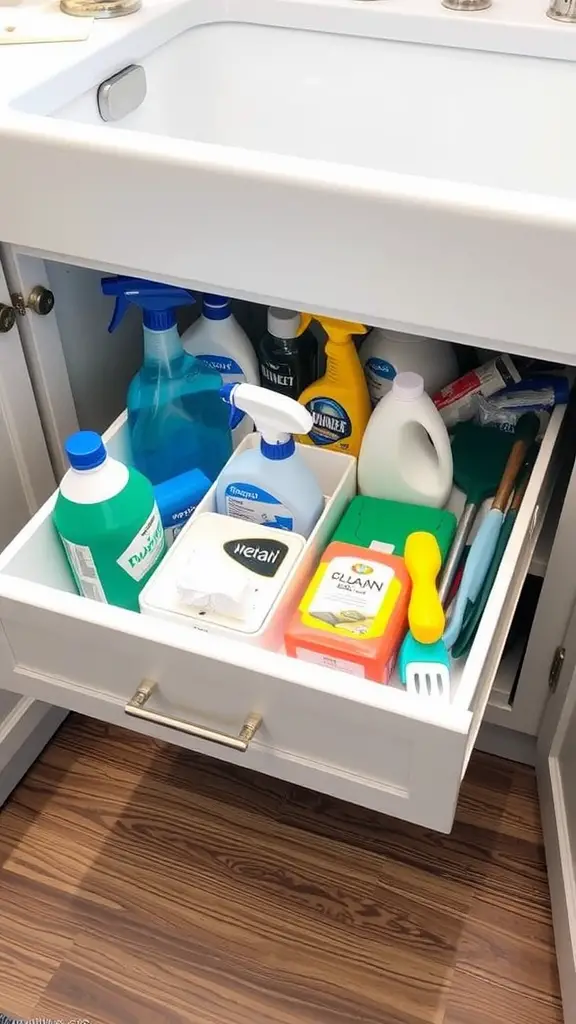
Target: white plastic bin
[336, 474]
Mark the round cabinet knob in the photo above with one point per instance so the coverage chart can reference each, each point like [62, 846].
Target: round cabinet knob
[41, 300]
[7, 318]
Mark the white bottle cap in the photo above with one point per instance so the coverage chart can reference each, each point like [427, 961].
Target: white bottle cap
[283, 323]
[408, 386]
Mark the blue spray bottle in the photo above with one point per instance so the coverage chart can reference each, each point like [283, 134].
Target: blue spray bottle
[176, 418]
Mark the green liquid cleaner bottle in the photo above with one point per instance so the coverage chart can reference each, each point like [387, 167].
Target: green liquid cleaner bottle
[108, 522]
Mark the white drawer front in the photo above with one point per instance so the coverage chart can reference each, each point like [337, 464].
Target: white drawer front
[370, 744]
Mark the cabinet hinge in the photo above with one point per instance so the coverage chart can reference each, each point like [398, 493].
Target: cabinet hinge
[556, 668]
[19, 303]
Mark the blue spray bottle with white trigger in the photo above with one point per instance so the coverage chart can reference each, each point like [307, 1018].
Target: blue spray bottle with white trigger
[175, 415]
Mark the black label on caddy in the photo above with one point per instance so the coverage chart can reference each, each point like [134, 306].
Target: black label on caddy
[259, 554]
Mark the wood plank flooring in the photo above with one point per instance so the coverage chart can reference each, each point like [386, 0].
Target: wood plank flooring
[142, 884]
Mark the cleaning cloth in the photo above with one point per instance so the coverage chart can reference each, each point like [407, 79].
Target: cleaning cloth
[214, 583]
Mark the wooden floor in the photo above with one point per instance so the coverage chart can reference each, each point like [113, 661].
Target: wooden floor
[140, 884]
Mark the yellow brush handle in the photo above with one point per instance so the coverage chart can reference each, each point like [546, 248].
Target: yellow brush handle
[425, 613]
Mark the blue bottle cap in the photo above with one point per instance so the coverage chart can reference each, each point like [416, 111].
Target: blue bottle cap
[277, 452]
[158, 319]
[85, 449]
[215, 307]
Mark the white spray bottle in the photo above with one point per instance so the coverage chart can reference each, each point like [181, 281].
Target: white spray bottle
[270, 484]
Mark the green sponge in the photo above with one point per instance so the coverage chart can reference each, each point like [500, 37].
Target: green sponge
[387, 524]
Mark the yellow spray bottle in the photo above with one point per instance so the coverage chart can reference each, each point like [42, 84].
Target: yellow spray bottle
[339, 401]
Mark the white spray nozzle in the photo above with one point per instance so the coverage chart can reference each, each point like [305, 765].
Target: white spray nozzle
[276, 416]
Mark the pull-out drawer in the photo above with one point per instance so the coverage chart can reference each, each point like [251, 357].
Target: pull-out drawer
[374, 745]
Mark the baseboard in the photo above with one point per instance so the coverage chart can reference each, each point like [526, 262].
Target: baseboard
[23, 735]
[514, 746]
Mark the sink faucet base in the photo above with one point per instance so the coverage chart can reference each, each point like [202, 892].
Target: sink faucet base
[100, 8]
[562, 10]
[467, 5]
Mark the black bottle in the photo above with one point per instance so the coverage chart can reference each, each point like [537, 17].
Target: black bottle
[288, 360]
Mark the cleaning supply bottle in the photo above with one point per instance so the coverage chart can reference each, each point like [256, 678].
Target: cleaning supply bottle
[288, 353]
[108, 523]
[339, 402]
[406, 453]
[270, 484]
[177, 499]
[385, 353]
[175, 415]
[219, 341]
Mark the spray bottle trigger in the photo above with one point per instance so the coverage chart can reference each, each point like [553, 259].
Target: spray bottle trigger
[333, 326]
[151, 296]
[120, 307]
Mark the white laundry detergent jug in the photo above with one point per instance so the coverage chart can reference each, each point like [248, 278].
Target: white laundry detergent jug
[406, 454]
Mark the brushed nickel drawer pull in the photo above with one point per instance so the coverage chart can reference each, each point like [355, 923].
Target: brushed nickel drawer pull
[136, 707]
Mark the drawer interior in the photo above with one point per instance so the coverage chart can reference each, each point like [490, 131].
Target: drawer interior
[34, 572]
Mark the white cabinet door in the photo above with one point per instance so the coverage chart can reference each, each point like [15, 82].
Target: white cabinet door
[550, 624]
[80, 372]
[40, 337]
[556, 768]
[26, 477]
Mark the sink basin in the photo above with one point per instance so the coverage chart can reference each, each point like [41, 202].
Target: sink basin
[408, 108]
[391, 162]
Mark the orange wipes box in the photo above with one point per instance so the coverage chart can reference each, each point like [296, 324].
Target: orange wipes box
[354, 614]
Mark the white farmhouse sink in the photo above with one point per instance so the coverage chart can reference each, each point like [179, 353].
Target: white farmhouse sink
[439, 112]
[393, 162]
